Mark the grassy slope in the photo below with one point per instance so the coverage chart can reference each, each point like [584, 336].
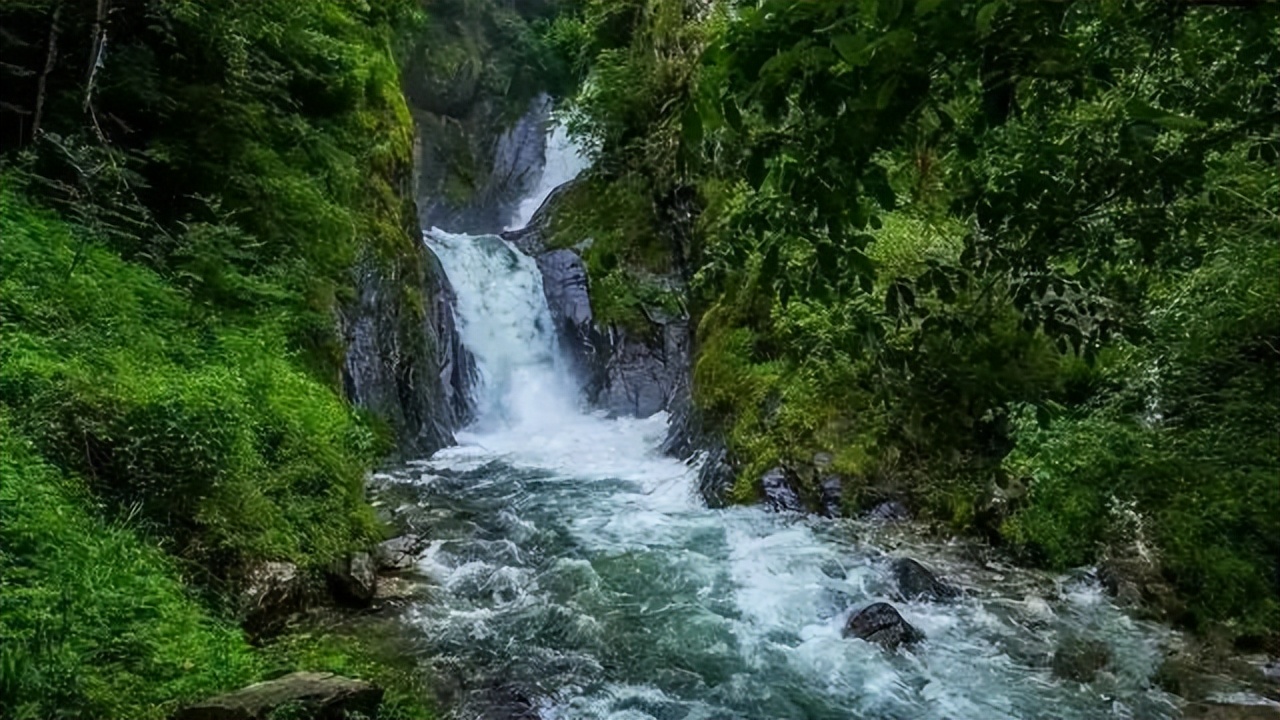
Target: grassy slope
[168, 354]
[135, 424]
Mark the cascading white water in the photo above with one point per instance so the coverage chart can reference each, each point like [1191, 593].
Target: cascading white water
[564, 161]
[504, 322]
[573, 571]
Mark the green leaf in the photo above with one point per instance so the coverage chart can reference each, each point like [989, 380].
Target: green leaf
[986, 14]
[1139, 110]
[885, 95]
[852, 48]
[861, 264]
[732, 115]
[924, 7]
[888, 10]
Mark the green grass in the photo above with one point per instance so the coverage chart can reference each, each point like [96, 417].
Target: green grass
[373, 651]
[210, 432]
[95, 621]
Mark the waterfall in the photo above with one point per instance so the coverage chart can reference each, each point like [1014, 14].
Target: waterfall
[573, 572]
[504, 322]
[564, 161]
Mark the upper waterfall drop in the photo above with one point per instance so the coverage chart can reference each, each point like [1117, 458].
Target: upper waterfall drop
[563, 162]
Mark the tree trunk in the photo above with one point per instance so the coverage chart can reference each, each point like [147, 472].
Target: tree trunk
[50, 59]
[96, 49]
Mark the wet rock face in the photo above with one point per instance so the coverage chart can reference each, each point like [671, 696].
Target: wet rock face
[831, 495]
[564, 282]
[716, 476]
[689, 439]
[403, 351]
[916, 582]
[642, 374]
[321, 696]
[883, 625]
[779, 491]
[457, 366]
[474, 166]
[1080, 660]
[619, 371]
[399, 553]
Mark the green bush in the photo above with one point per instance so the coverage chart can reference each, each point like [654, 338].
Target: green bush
[1192, 458]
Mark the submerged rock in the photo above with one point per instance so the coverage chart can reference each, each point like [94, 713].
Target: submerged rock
[779, 491]
[1080, 660]
[916, 582]
[881, 624]
[321, 696]
[1230, 711]
[354, 580]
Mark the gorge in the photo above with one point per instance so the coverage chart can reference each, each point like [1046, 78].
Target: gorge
[639, 359]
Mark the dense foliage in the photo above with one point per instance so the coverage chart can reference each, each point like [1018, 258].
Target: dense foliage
[187, 185]
[1014, 262]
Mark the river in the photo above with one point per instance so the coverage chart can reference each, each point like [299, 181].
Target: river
[574, 572]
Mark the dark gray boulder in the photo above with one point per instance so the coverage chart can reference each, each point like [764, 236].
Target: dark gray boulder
[779, 491]
[891, 511]
[319, 696]
[564, 281]
[916, 582]
[565, 285]
[831, 494]
[399, 553]
[642, 373]
[274, 592]
[1080, 660]
[354, 580]
[881, 624]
